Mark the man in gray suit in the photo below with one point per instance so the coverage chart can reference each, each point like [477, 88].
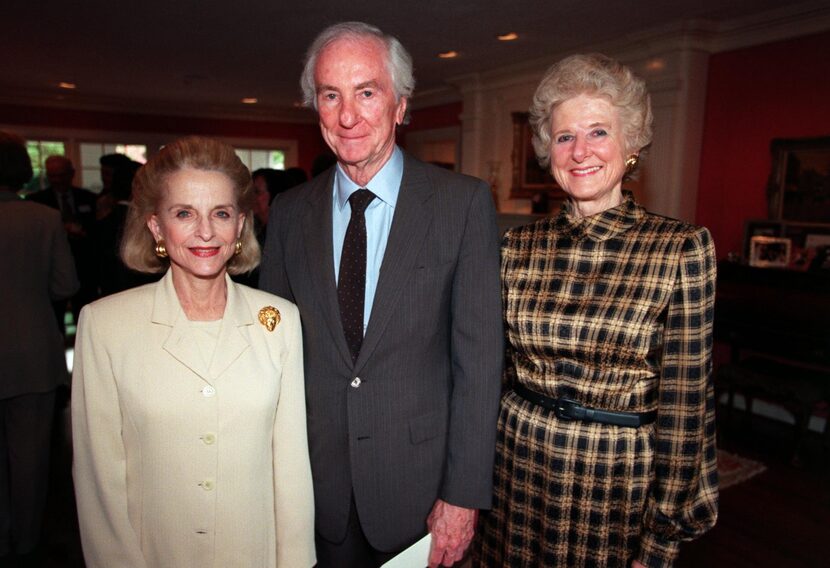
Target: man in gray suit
[394, 266]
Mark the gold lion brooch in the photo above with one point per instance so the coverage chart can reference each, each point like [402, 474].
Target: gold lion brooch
[269, 316]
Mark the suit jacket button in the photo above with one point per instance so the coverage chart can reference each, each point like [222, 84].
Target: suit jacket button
[208, 391]
[355, 383]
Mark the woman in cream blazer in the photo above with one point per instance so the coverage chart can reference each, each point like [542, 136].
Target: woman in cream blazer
[188, 400]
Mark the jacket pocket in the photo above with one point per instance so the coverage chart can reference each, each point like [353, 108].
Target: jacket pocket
[427, 427]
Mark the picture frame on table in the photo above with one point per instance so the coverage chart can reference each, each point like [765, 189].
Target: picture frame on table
[769, 252]
[810, 245]
[760, 228]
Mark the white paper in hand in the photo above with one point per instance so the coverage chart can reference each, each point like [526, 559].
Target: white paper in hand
[416, 556]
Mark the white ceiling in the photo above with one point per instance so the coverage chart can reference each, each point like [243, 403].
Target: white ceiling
[194, 56]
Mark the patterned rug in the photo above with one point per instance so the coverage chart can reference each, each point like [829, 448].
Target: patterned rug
[734, 469]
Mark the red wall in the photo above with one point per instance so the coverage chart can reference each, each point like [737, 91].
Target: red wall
[778, 90]
[439, 116]
[309, 141]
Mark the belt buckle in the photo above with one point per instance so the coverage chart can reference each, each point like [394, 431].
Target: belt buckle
[567, 409]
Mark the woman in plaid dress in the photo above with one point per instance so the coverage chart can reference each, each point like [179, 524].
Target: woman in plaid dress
[606, 448]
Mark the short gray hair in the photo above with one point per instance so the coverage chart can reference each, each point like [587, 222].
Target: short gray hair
[592, 74]
[398, 60]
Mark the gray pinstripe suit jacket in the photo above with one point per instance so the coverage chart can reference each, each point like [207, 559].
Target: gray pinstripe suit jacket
[421, 425]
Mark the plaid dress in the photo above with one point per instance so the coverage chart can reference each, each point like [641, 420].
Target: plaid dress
[615, 312]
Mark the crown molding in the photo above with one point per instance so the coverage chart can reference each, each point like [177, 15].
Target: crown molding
[787, 22]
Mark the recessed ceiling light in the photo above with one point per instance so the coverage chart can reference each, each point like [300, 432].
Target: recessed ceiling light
[656, 64]
[65, 85]
[250, 101]
[508, 36]
[448, 54]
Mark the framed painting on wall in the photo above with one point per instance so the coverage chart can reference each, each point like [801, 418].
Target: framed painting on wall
[799, 183]
[529, 178]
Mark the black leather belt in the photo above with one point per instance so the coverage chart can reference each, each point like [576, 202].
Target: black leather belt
[566, 409]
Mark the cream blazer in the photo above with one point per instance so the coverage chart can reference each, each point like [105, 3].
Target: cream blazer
[178, 465]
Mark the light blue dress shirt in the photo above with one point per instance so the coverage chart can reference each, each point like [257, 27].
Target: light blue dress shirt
[385, 185]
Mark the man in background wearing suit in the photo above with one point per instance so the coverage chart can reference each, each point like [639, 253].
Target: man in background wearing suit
[394, 265]
[37, 268]
[77, 209]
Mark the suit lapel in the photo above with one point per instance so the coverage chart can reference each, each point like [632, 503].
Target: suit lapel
[317, 233]
[410, 225]
[167, 311]
[230, 345]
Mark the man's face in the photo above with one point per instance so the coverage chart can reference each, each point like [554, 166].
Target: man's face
[357, 106]
[60, 174]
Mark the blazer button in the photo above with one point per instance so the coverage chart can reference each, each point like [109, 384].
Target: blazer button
[209, 438]
[207, 485]
[208, 391]
[355, 382]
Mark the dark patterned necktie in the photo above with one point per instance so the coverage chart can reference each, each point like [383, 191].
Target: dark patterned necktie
[351, 285]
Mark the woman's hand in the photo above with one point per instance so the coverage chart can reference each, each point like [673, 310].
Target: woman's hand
[637, 564]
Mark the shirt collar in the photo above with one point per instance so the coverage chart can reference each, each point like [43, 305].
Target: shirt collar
[603, 225]
[385, 185]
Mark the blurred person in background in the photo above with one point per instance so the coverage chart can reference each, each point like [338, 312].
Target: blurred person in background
[37, 268]
[113, 274]
[77, 209]
[109, 164]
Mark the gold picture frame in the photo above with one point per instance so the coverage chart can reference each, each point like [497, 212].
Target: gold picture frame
[529, 178]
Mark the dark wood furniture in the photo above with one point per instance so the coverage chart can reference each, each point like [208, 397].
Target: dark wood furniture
[777, 324]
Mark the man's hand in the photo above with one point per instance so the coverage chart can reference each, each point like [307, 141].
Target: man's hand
[452, 529]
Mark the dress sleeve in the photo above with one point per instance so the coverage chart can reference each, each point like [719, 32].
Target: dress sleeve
[294, 500]
[99, 464]
[683, 501]
[508, 376]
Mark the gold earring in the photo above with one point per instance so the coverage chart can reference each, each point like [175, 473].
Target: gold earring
[631, 163]
[161, 250]
[238, 247]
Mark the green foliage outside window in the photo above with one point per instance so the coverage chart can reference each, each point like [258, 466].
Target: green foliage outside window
[39, 150]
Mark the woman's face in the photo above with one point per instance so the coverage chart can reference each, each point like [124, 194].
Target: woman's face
[588, 152]
[200, 222]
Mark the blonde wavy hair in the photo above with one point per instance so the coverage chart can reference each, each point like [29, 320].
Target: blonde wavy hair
[150, 185]
[596, 75]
